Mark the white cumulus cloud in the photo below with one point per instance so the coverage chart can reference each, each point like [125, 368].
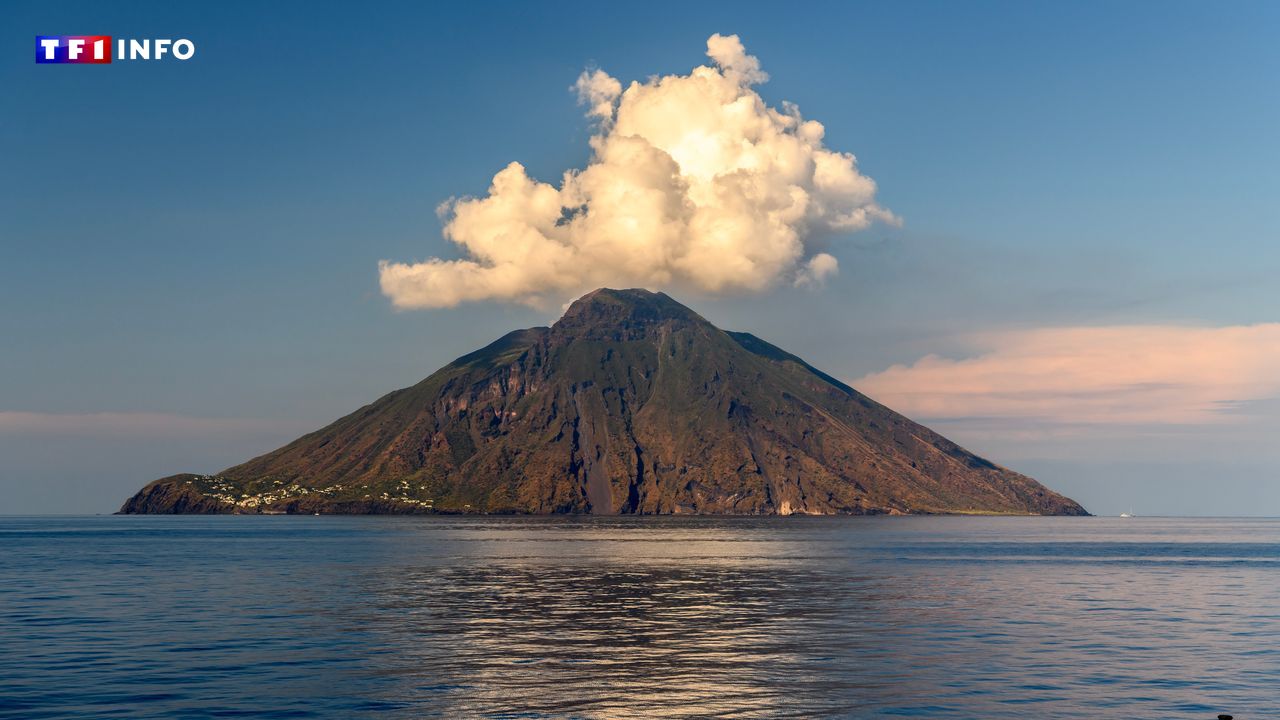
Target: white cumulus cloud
[817, 270]
[693, 182]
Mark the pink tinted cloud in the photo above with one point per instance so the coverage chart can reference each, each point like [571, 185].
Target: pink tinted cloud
[125, 424]
[1128, 374]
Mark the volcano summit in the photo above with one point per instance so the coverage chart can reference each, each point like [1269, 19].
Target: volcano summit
[630, 404]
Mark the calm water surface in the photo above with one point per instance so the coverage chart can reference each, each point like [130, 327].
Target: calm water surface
[298, 617]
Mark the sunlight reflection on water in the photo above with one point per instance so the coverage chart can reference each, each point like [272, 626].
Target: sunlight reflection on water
[589, 617]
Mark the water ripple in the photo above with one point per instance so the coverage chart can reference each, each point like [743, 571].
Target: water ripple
[310, 617]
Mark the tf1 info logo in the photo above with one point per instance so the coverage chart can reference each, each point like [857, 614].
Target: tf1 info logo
[96, 49]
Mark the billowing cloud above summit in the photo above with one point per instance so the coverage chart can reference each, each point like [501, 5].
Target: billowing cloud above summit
[694, 182]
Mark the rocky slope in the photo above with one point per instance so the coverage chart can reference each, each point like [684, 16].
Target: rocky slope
[631, 403]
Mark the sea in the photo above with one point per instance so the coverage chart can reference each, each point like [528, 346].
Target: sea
[638, 617]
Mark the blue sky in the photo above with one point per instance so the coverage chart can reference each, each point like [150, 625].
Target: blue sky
[192, 248]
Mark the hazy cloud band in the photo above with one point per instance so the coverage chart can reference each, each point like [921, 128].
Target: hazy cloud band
[1141, 374]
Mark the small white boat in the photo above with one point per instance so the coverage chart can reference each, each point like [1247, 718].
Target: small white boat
[1126, 515]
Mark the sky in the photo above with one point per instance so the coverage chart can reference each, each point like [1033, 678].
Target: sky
[1058, 243]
